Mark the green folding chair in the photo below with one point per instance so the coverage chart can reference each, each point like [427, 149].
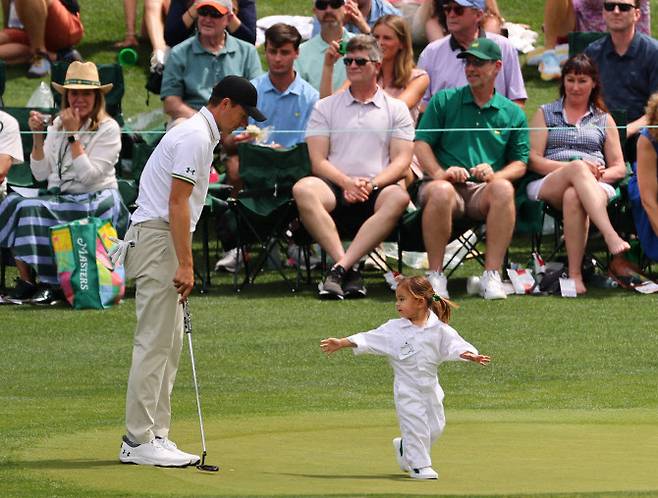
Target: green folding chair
[264, 208]
[580, 40]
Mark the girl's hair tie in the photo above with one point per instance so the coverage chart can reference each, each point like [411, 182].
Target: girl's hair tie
[436, 297]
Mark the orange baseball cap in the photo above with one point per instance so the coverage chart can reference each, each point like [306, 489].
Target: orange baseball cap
[221, 6]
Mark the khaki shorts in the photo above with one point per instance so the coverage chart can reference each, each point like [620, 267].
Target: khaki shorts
[467, 202]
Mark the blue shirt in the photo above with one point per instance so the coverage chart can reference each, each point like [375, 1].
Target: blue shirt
[627, 80]
[288, 110]
[378, 9]
[191, 71]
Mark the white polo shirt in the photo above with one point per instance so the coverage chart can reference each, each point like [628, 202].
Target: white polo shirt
[185, 153]
[10, 143]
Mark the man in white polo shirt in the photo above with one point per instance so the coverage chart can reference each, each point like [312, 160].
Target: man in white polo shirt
[172, 192]
[360, 145]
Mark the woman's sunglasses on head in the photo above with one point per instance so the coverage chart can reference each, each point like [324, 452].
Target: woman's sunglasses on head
[209, 12]
[334, 4]
[623, 7]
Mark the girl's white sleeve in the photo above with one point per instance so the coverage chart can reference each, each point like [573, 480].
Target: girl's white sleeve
[377, 341]
[452, 345]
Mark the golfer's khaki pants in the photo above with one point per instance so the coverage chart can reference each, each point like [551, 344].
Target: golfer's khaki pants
[159, 332]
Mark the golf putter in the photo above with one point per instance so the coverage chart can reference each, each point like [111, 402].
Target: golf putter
[187, 321]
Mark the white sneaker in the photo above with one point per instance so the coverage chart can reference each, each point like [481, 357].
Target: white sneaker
[424, 473]
[439, 283]
[229, 262]
[168, 444]
[492, 286]
[397, 447]
[549, 67]
[151, 453]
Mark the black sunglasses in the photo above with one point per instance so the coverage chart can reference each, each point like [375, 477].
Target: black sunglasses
[623, 7]
[455, 7]
[209, 12]
[360, 61]
[474, 61]
[334, 4]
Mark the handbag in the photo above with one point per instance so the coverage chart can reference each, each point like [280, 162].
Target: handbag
[84, 270]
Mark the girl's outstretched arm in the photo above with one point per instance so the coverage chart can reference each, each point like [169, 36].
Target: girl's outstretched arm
[476, 358]
[331, 345]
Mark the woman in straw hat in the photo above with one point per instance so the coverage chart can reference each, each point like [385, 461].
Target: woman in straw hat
[77, 157]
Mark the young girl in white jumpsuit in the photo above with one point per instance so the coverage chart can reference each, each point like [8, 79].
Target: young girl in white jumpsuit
[415, 345]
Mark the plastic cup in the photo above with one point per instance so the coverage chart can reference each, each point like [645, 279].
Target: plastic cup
[127, 56]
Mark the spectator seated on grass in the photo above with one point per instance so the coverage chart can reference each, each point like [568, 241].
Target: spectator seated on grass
[643, 186]
[331, 16]
[77, 158]
[39, 31]
[471, 174]
[361, 15]
[441, 58]
[578, 160]
[11, 148]
[197, 64]
[564, 16]
[398, 75]
[626, 60]
[356, 174]
[182, 17]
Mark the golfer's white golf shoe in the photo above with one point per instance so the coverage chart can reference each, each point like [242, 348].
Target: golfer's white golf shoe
[424, 473]
[151, 453]
[168, 444]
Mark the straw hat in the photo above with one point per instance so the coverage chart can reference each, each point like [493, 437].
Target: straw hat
[82, 76]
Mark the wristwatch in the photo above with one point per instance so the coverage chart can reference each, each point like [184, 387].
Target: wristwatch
[74, 137]
[374, 186]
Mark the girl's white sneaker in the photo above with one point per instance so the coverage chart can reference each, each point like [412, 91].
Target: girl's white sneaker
[424, 473]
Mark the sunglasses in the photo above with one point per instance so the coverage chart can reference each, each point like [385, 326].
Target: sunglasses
[623, 7]
[474, 61]
[455, 7]
[334, 4]
[209, 12]
[360, 61]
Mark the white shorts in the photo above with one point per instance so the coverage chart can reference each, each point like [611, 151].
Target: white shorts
[533, 188]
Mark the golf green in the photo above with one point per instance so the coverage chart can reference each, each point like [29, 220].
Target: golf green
[481, 453]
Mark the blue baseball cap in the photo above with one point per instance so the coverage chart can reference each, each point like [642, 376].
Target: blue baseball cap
[473, 4]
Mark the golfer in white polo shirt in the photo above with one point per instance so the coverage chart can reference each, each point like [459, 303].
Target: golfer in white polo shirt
[172, 191]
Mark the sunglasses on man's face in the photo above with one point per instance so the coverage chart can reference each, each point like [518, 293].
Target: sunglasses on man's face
[209, 12]
[474, 61]
[623, 7]
[360, 61]
[334, 4]
[453, 7]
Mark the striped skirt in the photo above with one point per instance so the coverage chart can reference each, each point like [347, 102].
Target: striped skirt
[25, 223]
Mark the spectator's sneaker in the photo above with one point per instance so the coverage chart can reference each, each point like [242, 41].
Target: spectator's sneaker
[230, 262]
[40, 66]
[23, 292]
[68, 55]
[168, 444]
[439, 283]
[353, 284]
[492, 286]
[424, 473]
[332, 287]
[151, 453]
[397, 447]
[549, 67]
[47, 295]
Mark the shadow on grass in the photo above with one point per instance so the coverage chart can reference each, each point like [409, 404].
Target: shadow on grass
[362, 477]
[62, 464]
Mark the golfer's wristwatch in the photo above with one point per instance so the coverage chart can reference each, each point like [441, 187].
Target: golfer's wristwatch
[73, 137]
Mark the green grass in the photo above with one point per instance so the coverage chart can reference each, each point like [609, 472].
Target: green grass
[567, 407]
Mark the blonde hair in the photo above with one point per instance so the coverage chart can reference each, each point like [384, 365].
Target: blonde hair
[98, 113]
[420, 288]
[651, 111]
[404, 60]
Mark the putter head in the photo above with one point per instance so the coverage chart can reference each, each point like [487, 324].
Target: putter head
[207, 468]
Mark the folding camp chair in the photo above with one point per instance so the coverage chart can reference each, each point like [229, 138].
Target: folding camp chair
[264, 208]
[579, 40]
